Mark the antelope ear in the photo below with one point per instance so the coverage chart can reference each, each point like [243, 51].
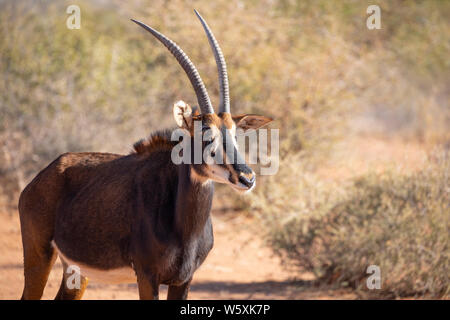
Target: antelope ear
[251, 121]
[182, 113]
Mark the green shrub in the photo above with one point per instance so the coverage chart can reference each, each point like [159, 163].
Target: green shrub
[398, 222]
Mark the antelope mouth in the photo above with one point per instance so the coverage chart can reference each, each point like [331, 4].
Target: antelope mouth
[243, 185]
[241, 188]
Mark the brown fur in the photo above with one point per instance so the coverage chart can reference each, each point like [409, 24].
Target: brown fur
[141, 211]
[227, 120]
[110, 211]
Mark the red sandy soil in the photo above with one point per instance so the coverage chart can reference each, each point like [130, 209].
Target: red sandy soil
[238, 267]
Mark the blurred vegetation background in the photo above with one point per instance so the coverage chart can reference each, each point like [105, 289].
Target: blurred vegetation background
[312, 65]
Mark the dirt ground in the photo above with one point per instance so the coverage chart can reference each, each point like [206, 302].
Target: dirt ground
[239, 267]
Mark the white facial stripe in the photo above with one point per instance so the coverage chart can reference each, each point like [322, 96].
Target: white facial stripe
[230, 141]
[217, 138]
[212, 134]
[233, 135]
[221, 136]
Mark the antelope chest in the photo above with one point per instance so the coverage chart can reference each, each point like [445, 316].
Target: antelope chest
[187, 260]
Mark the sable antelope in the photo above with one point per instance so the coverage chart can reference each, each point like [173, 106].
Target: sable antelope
[136, 217]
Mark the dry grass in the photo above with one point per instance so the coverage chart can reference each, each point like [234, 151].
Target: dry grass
[394, 220]
[312, 65]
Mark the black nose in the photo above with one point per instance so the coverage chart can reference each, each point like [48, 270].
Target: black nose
[246, 180]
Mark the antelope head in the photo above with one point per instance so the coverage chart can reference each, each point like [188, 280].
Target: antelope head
[223, 163]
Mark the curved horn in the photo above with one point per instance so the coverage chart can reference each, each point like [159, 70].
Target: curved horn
[224, 90]
[192, 73]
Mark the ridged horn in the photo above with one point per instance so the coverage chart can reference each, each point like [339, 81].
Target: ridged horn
[202, 95]
[224, 90]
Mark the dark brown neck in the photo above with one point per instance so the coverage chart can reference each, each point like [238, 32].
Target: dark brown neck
[193, 204]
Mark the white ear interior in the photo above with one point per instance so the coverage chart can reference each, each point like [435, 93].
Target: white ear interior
[182, 113]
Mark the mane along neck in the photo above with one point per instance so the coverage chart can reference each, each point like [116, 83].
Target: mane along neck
[157, 141]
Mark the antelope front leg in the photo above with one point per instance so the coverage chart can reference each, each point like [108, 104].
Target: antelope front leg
[148, 285]
[179, 292]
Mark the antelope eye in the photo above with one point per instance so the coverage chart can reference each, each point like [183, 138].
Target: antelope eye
[213, 154]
